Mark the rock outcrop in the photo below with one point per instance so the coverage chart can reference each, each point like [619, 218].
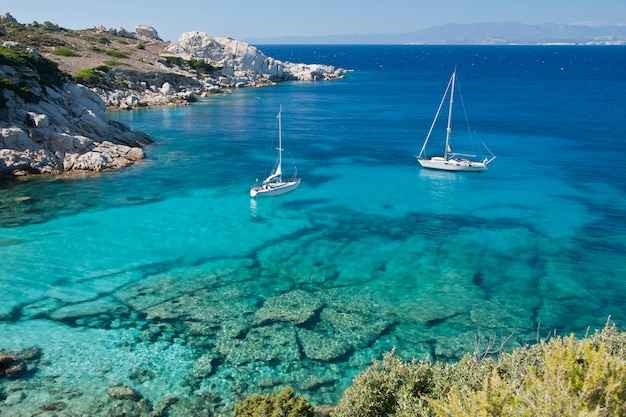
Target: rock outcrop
[11, 365]
[244, 63]
[55, 126]
[198, 65]
[146, 33]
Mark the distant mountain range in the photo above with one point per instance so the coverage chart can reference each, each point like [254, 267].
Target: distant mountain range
[504, 33]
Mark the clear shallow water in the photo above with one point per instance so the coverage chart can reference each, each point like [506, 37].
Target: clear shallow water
[168, 278]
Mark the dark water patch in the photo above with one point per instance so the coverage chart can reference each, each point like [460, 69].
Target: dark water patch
[478, 279]
[11, 242]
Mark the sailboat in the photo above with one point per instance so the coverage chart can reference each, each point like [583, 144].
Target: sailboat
[451, 161]
[274, 185]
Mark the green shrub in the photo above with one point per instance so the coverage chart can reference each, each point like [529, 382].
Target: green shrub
[48, 71]
[90, 77]
[117, 54]
[560, 377]
[27, 94]
[65, 52]
[102, 68]
[283, 404]
[390, 388]
[96, 49]
[21, 90]
[192, 63]
[113, 63]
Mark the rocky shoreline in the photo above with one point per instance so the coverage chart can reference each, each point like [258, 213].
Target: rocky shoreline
[61, 125]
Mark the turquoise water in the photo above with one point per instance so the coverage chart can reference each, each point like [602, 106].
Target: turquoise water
[168, 278]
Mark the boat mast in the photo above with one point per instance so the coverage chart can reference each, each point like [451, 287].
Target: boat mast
[432, 126]
[280, 141]
[449, 129]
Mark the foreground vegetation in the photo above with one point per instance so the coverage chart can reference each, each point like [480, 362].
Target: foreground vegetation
[561, 376]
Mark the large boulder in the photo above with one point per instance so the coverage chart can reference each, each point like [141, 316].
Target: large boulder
[145, 32]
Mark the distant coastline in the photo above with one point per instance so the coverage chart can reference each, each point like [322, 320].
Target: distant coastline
[504, 33]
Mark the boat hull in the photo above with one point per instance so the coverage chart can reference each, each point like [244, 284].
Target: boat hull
[274, 189]
[453, 164]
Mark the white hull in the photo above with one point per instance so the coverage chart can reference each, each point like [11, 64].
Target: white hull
[450, 161]
[273, 189]
[438, 162]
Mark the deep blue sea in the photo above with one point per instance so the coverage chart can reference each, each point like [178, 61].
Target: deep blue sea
[168, 278]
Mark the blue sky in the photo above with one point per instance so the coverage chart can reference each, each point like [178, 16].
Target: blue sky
[243, 19]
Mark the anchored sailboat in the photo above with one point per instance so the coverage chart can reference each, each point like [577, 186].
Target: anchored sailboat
[274, 185]
[451, 161]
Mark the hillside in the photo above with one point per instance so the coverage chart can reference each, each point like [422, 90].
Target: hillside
[135, 69]
[74, 50]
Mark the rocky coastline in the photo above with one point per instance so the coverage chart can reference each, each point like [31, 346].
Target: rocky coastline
[61, 125]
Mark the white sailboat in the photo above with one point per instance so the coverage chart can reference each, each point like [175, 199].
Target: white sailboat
[451, 161]
[274, 185]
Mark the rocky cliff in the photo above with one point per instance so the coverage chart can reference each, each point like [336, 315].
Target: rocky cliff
[51, 125]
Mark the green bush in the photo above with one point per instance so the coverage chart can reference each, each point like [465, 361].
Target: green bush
[390, 388]
[560, 377]
[48, 71]
[90, 77]
[283, 404]
[192, 63]
[65, 52]
[113, 63]
[117, 54]
[102, 68]
[21, 90]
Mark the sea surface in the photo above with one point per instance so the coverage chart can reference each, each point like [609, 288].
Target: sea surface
[167, 278]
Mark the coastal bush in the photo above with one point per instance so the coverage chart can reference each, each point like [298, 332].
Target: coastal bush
[115, 53]
[103, 68]
[113, 63]
[28, 95]
[48, 71]
[91, 77]
[562, 376]
[65, 52]
[198, 65]
[284, 404]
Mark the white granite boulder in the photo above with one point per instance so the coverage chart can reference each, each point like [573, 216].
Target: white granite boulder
[145, 32]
